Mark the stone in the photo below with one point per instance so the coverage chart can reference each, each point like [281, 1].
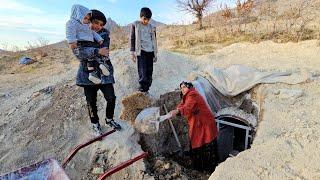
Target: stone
[178, 169]
[158, 163]
[72, 166]
[161, 177]
[35, 94]
[175, 175]
[47, 90]
[97, 170]
[126, 176]
[184, 177]
[167, 166]
[290, 93]
[101, 159]
[5, 95]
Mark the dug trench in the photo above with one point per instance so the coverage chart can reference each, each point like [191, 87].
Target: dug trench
[66, 127]
[167, 161]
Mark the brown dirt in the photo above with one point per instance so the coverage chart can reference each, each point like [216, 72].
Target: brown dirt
[133, 104]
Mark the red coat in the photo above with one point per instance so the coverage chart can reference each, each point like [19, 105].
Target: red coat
[202, 125]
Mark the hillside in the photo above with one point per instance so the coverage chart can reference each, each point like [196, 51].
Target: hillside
[277, 20]
[268, 20]
[43, 113]
[120, 34]
[111, 25]
[3, 52]
[33, 96]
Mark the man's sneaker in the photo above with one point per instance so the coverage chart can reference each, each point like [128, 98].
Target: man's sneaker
[97, 129]
[93, 77]
[113, 124]
[104, 69]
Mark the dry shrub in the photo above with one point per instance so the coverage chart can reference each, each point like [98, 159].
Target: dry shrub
[249, 21]
[40, 42]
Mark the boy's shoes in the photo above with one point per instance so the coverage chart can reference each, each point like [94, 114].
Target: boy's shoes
[140, 89]
[93, 77]
[113, 124]
[143, 91]
[97, 129]
[104, 70]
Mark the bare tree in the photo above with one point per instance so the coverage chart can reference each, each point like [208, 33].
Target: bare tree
[306, 16]
[270, 10]
[244, 11]
[227, 15]
[196, 7]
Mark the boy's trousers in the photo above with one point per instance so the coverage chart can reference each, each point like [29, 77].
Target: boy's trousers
[91, 91]
[145, 70]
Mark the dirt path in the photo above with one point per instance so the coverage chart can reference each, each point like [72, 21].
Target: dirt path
[44, 115]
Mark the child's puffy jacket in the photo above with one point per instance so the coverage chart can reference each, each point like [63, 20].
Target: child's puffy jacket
[75, 30]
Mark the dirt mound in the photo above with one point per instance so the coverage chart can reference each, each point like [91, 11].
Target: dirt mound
[52, 132]
[288, 125]
[133, 104]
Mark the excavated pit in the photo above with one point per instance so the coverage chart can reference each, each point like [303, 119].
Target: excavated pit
[167, 160]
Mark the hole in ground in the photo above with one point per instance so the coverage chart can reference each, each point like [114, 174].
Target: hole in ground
[167, 162]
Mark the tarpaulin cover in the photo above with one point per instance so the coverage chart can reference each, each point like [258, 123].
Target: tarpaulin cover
[237, 78]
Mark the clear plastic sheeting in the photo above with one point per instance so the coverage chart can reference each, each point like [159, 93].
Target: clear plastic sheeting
[212, 96]
[148, 120]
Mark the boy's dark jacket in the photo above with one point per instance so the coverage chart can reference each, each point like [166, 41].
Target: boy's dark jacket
[83, 74]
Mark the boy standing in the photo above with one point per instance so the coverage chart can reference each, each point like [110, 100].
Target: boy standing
[98, 20]
[143, 46]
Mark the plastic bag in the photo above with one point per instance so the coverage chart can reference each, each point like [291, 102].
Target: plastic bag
[26, 61]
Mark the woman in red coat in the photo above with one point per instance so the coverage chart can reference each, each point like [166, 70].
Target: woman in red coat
[203, 131]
